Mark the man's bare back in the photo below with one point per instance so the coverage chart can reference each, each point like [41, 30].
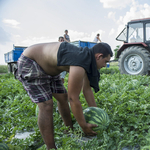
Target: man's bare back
[45, 55]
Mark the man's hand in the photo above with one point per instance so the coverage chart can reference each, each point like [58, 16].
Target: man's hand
[88, 129]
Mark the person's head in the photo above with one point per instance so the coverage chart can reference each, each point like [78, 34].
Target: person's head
[102, 52]
[98, 34]
[61, 39]
[66, 31]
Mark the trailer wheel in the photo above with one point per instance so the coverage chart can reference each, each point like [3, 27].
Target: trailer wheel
[134, 60]
[9, 68]
[14, 67]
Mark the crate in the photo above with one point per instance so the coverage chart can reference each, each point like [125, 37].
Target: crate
[83, 44]
[91, 44]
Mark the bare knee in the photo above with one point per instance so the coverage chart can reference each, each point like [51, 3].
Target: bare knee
[65, 97]
[46, 106]
[61, 98]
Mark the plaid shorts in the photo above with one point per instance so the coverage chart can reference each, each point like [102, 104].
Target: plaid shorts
[36, 82]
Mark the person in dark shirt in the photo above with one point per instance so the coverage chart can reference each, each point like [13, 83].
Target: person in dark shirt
[62, 74]
[61, 39]
[38, 69]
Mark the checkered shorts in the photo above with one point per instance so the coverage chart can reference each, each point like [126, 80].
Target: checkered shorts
[36, 82]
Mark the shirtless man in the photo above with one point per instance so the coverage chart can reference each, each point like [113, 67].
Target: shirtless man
[38, 69]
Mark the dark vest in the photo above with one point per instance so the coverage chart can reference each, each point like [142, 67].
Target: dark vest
[70, 55]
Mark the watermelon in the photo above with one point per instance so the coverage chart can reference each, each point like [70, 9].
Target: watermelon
[37, 110]
[3, 146]
[98, 116]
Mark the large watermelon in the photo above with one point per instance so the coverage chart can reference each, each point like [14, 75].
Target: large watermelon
[3, 146]
[98, 116]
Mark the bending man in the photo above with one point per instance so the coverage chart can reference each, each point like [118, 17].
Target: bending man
[38, 69]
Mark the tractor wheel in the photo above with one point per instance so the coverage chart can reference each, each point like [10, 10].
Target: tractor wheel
[134, 60]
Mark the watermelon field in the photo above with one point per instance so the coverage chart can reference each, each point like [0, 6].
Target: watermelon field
[125, 98]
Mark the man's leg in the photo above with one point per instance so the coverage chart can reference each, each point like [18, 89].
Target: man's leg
[63, 107]
[45, 122]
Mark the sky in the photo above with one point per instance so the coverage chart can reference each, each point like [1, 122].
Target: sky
[28, 22]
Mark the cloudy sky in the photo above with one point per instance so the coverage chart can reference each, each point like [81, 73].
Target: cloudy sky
[27, 22]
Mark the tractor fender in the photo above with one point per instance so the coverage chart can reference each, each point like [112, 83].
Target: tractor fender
[126, 45]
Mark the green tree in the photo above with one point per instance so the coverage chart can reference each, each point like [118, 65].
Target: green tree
[115, 50]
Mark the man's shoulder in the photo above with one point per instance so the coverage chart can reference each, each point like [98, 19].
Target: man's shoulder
[77, 71]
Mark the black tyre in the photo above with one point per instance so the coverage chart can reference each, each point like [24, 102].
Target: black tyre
[134, 60]
[14, 66]
[9, 68]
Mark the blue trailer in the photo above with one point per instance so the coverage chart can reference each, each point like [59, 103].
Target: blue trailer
[12, 56]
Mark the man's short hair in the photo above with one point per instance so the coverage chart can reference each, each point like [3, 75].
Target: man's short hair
[98, 34]
[103, 48]
[61, 37]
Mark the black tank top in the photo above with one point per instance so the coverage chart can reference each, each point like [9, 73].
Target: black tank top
[70, 55]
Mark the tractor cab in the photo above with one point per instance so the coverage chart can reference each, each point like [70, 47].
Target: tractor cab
[136, 31]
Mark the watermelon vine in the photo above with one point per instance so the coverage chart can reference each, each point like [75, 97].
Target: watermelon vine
[125, 98]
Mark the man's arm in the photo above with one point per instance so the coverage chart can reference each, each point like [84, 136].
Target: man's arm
[99, 39]
[75, 83]
[88, 93]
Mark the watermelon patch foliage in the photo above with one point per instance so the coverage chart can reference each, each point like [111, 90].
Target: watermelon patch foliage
[125, 98]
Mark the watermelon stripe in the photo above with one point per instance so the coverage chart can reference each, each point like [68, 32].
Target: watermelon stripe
[97, 118]
[3, 146]
[101, 117]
